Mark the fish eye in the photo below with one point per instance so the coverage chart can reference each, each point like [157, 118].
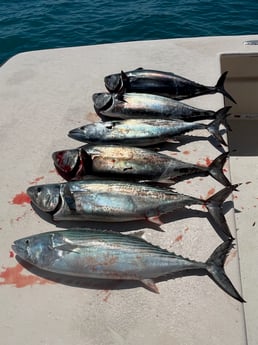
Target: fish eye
[27, 242]
[39, 189]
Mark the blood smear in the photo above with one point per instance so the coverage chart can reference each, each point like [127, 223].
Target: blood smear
[14, 276]
[37, 179]
[208, 161]
[179, 238]
[210, 192]
[21, 199]
[108, 294]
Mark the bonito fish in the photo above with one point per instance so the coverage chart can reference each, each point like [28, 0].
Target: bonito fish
[147, 106]
[108, 255]
[140, 132]
[131, 162]
[119, 201]
[162, 83]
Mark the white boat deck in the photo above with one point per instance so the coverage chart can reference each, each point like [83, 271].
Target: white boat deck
[43, 95]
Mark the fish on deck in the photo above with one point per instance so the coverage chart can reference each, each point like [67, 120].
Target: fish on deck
[120, 201]
[162, 83]
[141, 132]
[149, 106]
[132, 162]
[108, 255]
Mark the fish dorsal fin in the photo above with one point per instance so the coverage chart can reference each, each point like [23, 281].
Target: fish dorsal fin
[120, 97]
[125, 83]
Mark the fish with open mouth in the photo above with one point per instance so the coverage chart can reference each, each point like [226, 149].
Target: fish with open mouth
[108, 255]
[131, 162]
[162, 83]
[148, 106]
[120, 201]
[141, 132]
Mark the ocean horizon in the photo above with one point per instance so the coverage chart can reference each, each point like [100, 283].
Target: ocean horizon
[27, 25]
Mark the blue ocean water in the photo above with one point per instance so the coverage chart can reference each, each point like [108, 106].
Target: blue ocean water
[30, 25]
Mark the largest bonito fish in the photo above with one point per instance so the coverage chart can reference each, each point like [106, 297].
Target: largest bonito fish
[107, 255]
[119, 201]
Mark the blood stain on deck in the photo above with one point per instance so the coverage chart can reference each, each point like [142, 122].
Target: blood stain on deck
[20, 199]
[179, 238]
[206, 163]
[52, 171]
[14, 276]
[108, 294]
[210, 192]
[37, 179]
[17, 219]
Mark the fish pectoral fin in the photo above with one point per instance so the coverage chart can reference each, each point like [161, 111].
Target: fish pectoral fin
[67, 247]
[149, 283]
[166, 181]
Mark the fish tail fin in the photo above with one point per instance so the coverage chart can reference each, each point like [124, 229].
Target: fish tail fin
[214, 206]
[215, 269]
[220, 87]
[223, 114]
[216, 169]
[213, 127]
